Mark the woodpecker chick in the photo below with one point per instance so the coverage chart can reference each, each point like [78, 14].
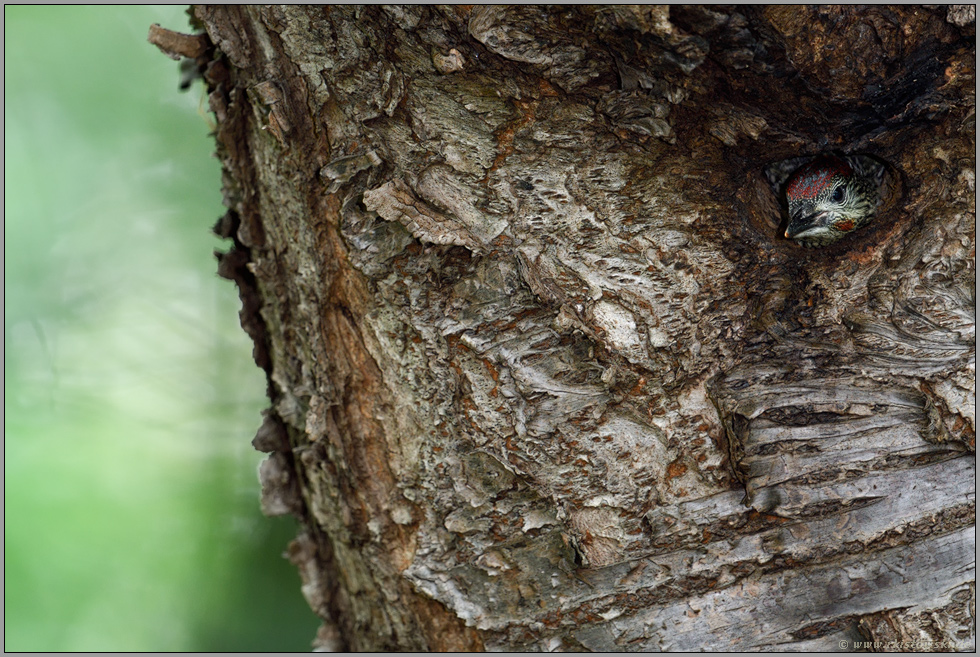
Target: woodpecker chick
[831, 197]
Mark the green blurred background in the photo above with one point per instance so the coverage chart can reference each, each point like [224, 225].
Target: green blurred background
[131, 515]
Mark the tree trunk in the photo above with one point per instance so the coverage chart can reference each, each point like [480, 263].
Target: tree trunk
[545, 373]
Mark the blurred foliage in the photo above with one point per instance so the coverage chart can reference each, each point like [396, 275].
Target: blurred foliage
[130, 494]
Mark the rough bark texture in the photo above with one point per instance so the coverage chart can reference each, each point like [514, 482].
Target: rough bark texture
[546, 375]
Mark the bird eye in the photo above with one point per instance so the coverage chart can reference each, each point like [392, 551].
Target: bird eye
[838, 195]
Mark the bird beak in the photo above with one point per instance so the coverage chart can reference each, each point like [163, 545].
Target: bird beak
[799, 225]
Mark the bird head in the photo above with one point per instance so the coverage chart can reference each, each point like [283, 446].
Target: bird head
[827, 200]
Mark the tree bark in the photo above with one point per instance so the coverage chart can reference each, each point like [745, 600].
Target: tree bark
[545, 373]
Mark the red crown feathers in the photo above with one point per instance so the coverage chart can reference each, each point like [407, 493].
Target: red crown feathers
[814, 177]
